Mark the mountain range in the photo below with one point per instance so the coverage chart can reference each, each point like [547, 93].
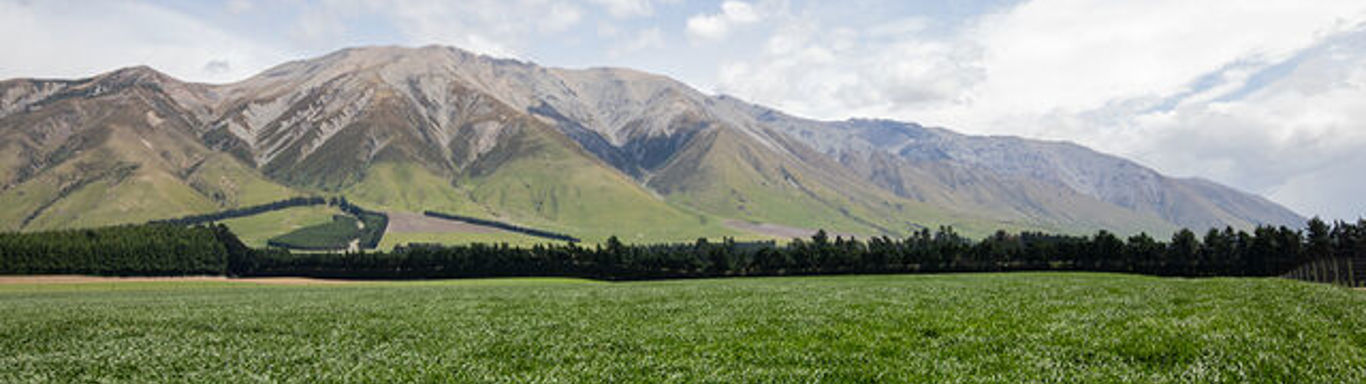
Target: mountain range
[592, 152]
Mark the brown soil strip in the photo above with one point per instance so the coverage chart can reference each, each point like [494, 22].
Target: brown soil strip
[780, 231]
[407, 222]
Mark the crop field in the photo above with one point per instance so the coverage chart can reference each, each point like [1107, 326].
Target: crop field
[1017, 327]
[255, 230]
[336, 234]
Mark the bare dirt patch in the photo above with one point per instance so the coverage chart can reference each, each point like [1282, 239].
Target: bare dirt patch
[79, 279]
[407, 222]
[780, 231]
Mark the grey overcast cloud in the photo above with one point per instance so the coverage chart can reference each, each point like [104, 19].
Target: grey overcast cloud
[1266, 96]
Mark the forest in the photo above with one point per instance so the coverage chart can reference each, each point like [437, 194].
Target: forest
[164, 249]
[156, 249]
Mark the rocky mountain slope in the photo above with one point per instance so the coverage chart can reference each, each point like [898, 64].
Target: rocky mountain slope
[593, 152]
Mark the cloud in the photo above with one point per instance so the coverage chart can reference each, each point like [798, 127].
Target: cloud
[492, 27]
[1258, 96]
[68, 40]
[712, 27]
[561, 16]
[836, 72]
[622, 9]
[217, 66]
[1297, 138]
[1265, 96]
[323, 25]
[1080, 54]
[649, 38]
[240, 6]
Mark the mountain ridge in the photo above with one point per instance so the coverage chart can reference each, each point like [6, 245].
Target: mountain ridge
[325, 125]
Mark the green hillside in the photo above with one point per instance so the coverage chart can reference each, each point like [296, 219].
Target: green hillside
[254, 230]
[409, 187]
[726, 174]
[538, 178]
[233, 184]
[114, 177]
[543, 179]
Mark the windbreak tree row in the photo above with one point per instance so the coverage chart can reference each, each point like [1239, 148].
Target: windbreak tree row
[247, 211]
[1267, 251]
[163, 249]
[128, 250]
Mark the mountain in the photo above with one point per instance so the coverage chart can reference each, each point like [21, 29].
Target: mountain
[119, 147]
[594, 152]
[1047, 179]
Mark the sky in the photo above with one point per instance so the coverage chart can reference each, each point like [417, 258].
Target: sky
[1268, 96]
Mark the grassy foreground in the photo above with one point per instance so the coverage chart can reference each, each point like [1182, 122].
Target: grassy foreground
[930, 328]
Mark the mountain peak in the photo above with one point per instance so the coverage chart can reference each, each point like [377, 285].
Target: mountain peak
[134, 75]
[337, 121]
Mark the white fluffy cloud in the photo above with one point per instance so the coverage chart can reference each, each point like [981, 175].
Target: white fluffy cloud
[561, 16]
[1262, 95]
[240, 6]
[1298, 138]
[711, 27]
[834, 72]
[626, 8]
[77, 39]
[493, 27]
[649, 38]
[1081, 54]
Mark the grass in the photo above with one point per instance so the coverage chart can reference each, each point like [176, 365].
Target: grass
[235, 184]
[731, 176]
[86, 191]
[1022, 327]
[545, 183]
[548, 184]
[254, 230]
[406, 187]
[336, 234]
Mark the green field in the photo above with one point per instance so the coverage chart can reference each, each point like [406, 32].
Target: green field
[1022, 327]
[254, 230]
[336, 234]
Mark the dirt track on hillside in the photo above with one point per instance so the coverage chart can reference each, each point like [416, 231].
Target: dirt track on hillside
[780, 231]
[78, 279]
[406, 222]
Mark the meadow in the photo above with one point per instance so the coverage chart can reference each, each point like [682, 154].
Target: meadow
[1010, 327]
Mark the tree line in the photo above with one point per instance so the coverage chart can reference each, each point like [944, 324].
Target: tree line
[246, 211]
[159, 249]
[128, 250]
[370, 237]
[1266, 251]
[375, 223]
